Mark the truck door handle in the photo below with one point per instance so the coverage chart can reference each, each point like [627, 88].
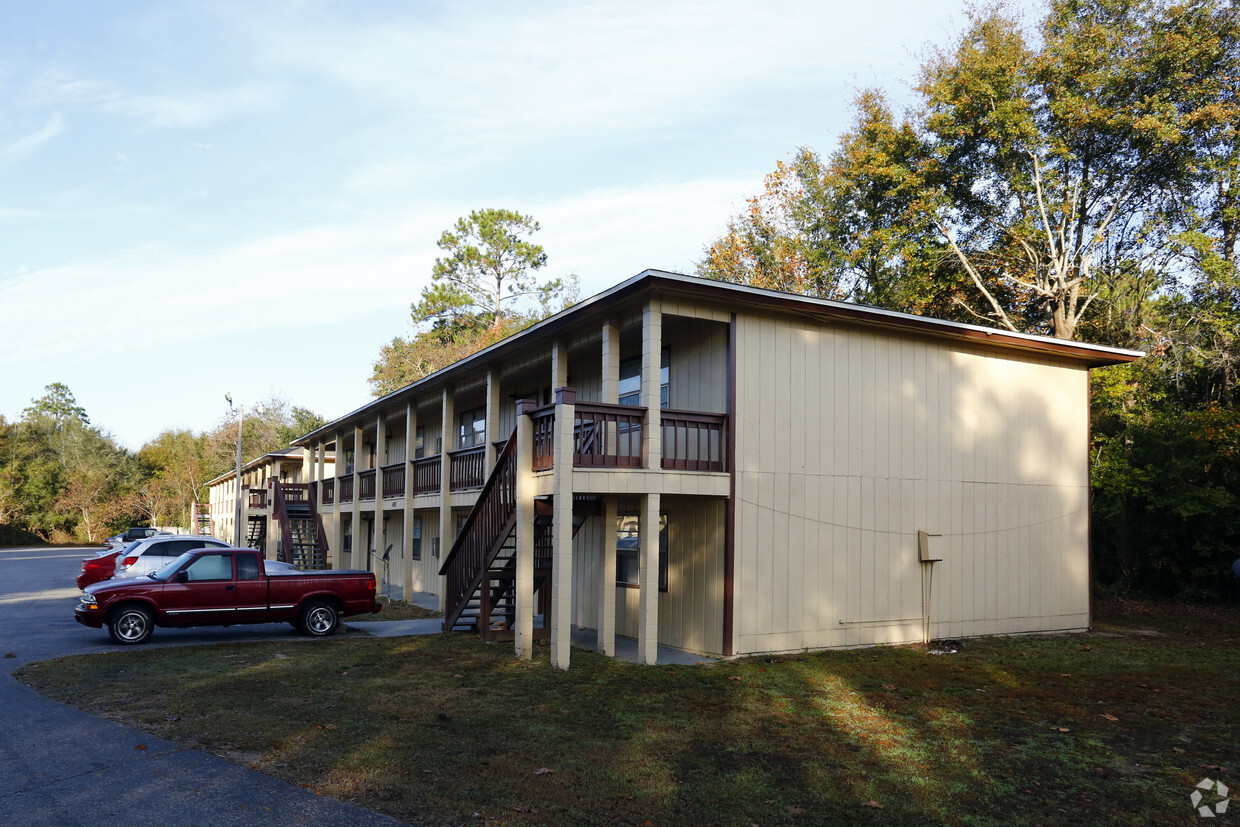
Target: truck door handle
[231, 587]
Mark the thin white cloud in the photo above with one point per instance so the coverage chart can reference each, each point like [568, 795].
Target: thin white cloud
[524, 72]
[23, 147]
[342, 272]
[192, 108]
[182, 108]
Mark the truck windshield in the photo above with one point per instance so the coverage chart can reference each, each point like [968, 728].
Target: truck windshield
[165, 574]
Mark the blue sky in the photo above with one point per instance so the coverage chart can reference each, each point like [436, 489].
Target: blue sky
[206, 197]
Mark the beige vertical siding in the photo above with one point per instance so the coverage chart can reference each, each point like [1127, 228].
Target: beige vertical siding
[426, 571]
[691, 610]
[850, 441]
[698, 368]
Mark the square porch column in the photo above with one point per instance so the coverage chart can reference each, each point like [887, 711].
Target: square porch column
[607, 581]
[411, 429]
[375, 563]
[338, 512]
[648, 612]
[523, 636]
[562, 529]
[447, 528]
[356, 524]
[611, 364]
[492, 420]
[652, 386]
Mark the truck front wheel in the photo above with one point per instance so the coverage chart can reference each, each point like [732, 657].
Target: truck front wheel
[131, 624]
[319, 618]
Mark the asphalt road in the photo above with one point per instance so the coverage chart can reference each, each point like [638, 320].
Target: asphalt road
[59, 766]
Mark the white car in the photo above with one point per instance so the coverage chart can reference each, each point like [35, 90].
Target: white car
[153, 553]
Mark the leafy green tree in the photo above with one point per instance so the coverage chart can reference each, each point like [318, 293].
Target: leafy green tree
[484, 290]
[489, 265]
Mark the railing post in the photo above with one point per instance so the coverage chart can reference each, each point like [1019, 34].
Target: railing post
[562, 529]
[523, 633]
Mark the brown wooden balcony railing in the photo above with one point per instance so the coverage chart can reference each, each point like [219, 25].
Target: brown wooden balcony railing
[544, 437]
[608, 436]
[693, 441]
[329, 492]
[366, 485]
[346, 489]
[394, 480]
[293, 492]
[258, 498]
[426, 475]
[468, 468]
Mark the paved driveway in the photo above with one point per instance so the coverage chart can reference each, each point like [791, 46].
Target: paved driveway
[59, 766]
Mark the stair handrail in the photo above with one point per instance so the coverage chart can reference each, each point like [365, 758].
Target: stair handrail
[281, 514]
[320, 534]
[492, 516]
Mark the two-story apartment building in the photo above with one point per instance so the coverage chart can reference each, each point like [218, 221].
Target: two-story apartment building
[263, 515]
[728, 470]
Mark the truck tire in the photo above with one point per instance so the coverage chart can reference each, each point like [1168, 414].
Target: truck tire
[131, 624]
[319, 618]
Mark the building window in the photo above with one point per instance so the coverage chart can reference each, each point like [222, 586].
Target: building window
[348, 462]
[419, 445]
[628, 551]
[472, 428]
[417, 538]
[631, 380]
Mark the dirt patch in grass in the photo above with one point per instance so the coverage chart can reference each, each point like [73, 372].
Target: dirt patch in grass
[397, 610]
[1115, 726]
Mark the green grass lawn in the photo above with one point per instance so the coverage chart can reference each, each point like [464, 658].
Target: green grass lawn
[1115, 726]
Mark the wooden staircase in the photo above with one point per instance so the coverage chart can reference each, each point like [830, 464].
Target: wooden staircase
[480, 570]
[256, 532]
[303, 539]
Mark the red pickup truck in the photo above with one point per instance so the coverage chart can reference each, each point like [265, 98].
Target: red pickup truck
[221, 587]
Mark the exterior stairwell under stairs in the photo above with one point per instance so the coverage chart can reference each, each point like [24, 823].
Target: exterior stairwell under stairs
[303, 539]
[256, 532]
[481, 567]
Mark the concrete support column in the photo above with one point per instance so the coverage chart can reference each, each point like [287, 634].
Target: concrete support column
[611, 364]
[337, 542]
[360, 549]
[411, 428]
[648, 611]
[380, 451]
[447, 526]
[652, 362]
[307, 465]
[381, 541]
[492, 419]
[607, 581]
[559, 365]
[562, 529]
[321, 472]
[524, 632]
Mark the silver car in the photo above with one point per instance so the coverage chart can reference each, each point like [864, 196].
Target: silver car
[154, 553]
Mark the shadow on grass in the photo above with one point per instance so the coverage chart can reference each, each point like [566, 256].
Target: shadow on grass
[1112, 727]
